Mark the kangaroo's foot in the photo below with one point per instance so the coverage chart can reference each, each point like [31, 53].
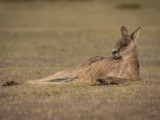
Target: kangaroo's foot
[109, 81]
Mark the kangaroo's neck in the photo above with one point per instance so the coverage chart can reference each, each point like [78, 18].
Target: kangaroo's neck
[132, 62]
[132, 55]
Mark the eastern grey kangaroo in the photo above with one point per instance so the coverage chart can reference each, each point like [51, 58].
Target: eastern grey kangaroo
[122, 66]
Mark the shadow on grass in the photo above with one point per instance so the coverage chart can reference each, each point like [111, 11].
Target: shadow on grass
[129, 6]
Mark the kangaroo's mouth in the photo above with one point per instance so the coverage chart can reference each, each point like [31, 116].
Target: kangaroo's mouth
[116, 56]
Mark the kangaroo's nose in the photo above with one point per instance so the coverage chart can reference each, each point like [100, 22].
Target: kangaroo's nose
[115, 54]
[114, 51]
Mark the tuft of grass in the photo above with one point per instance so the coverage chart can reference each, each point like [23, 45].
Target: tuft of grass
[129, 6]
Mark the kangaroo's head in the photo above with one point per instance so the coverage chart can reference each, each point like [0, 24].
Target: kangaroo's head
[126, 44]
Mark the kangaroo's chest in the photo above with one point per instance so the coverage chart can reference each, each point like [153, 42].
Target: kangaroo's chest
[122, 70]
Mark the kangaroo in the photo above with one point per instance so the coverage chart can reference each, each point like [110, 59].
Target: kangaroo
[121, 67]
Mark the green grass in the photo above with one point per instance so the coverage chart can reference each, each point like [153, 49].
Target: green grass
[39, 38]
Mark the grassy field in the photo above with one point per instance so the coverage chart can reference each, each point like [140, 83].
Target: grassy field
[39, 38]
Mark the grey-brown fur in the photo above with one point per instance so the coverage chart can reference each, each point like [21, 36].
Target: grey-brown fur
[122, 66]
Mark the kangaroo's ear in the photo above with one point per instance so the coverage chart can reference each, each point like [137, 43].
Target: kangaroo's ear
[135, 34]
[124, 32]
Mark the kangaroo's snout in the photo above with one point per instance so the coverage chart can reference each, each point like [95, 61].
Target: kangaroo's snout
[115, 54]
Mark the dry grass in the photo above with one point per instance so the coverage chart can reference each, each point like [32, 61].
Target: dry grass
[40, 38]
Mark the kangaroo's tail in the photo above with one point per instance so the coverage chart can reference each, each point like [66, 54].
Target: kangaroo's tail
[57, 78]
